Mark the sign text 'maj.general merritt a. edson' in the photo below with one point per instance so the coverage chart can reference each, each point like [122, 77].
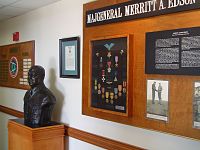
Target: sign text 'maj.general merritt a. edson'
[134, 10]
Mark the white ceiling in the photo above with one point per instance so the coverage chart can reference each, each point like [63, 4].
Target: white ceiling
[13, 8]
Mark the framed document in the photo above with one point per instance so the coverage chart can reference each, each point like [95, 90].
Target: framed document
[157, 99]
[70, 57]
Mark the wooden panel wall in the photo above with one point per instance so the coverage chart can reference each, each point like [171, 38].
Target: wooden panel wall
[180, 86]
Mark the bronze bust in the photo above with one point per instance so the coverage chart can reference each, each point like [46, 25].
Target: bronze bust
[39, 100]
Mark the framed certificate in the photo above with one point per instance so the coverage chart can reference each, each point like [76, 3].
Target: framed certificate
[70, 57]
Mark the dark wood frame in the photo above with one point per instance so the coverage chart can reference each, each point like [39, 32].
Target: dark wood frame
[128, 97]
[86, 95]
[77, 57]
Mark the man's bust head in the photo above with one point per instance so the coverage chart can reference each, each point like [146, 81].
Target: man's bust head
[36, 76]
[39, 100]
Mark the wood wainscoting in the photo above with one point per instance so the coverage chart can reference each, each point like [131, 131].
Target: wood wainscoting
[82, 135]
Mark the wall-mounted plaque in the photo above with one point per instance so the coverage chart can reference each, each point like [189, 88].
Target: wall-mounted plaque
[109, 74]
[175, 52]
[157, 99]
[15, 61]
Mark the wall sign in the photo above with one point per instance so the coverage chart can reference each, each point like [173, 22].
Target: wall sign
[15, 61]
[137, 9]
[174, 52]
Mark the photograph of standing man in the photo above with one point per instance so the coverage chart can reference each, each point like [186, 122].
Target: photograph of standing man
[159, 93]
[153, 92]
[157, 99]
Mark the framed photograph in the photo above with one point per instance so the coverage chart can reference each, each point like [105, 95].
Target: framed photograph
[196, 105]
[157, 99]
[69, 57]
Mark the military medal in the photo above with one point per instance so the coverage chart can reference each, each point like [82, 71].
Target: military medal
[120, 90]
[109, 54]
[109, 46]
[103, 75]
[101, 62]
[124, 86]
[109, 66]
[115, 79]
[111, 97]
[116, 61]
[109, 82]
[107, 96]
[99, 87]
[109, 87]
[95, 84]
[116, 91]
[103, 91]
[121, 52]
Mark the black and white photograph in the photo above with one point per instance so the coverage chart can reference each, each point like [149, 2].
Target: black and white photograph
[196, 105]
[157, 99]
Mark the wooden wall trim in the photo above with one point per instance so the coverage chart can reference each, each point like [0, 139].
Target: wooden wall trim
[11, 111]
[82, 135]
[99, 140]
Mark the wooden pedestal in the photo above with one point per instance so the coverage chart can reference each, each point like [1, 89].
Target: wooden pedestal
[21, 137]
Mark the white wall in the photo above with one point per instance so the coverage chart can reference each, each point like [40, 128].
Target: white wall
[46, 26]
[3, 130]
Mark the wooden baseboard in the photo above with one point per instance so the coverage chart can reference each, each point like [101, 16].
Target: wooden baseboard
[82, 135]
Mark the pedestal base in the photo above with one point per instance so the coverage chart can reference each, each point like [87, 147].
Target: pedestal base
[21, 137]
